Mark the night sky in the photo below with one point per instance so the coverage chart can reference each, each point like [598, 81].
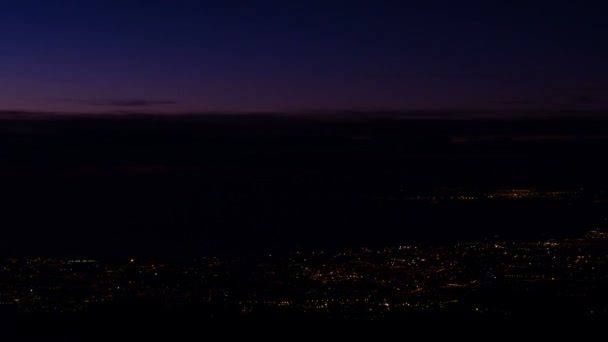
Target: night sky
[298, 56]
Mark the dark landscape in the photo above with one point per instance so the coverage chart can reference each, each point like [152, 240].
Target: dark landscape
[268, 216]
[267, 161]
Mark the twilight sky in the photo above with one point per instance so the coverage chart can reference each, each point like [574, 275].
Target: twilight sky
[178, 55]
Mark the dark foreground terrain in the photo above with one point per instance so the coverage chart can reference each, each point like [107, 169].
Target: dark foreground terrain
[489, 281]
[192, 218]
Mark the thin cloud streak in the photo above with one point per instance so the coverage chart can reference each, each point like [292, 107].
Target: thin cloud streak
[121, 102]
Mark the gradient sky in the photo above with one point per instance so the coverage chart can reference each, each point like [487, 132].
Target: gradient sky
[173, 56]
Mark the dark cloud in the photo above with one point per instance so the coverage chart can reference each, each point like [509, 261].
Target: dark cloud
[136, 103]
[120, 102]
[17, 114]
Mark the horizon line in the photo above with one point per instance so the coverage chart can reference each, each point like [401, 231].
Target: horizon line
[405, 114]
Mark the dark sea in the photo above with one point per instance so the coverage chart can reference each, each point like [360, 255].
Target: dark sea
[246, 185]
